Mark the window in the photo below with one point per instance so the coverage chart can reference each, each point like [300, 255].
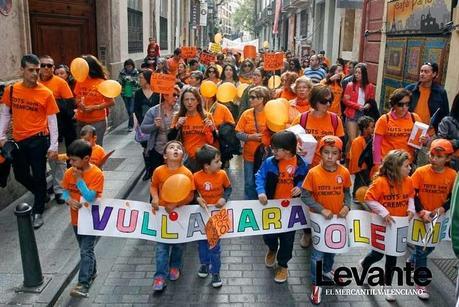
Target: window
[304, 23]
[348, 30]
[135, 26]
[163, 43]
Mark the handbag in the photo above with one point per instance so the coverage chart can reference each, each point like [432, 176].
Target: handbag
[11, 148]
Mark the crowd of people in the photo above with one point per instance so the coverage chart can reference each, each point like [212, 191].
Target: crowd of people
[187, 133]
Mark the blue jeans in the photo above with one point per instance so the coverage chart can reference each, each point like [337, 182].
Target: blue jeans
[250, 191]
[129, 104]
[328, 260]
[168, 256]
[88, 268]
[210, 256]
[419, 257]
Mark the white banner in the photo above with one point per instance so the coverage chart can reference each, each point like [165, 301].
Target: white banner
[133, 219]
[237, 45]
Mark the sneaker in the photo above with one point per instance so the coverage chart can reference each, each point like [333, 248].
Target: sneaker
[174, 274]
[37, 221]
[59, 199]
[423, 294]
[281, 275]
[270, 258]
[305, 240]
[159, 284]
[331, 275]
[389, 296]
[216, 281]
[203, 271]
[79, 291]
[316, 295]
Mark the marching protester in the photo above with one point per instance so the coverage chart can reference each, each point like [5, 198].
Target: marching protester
[129, 80]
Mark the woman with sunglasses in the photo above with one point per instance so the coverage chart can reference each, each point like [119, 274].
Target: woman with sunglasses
[246, 70]
[251, 129]
[393, 129]
[156, 123]
[192, 125]
[212, 74]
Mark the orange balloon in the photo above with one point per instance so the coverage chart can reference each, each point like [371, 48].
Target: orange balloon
[276, 112]
[274, 82]
[79, 69]
[226, 92]
[208, 89]
[218, 38]
[176, 188]
[275, 127]
[250, 51]
[109, 88]
[241, 88]
[360, 194]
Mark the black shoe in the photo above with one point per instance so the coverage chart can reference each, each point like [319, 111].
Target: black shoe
[203, 271]
[216, 281]
[59, 199]
[147, 175]
[37, 221]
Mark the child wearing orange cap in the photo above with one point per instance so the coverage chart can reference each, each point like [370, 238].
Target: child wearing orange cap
[433, 184]
[328, 176]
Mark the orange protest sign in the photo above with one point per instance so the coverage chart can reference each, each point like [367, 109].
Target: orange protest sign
[217, 226]
[273, 61]
[207, 58]
[162, 83]
[250, 51]
[189, 52]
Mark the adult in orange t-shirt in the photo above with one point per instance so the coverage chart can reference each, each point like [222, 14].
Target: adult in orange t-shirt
[192, 125]
[32, 109]
[251, 129]
[393, 129]
[174, 61]
[92, 105]
[300, 104]
[319, 121]
[288, 78]
[333, 81]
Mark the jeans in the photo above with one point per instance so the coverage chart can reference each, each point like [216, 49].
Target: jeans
[100, 126]
[129, 104]
[57, 169]
[285, 240]
[31, 156]
[210, 256]
[250, 191]
[419, 257]
[374, 256]
[328, 259]
[168, 256]
[88, 267]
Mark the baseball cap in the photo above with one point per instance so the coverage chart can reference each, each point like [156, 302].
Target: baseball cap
[331, 140]
[442, 145]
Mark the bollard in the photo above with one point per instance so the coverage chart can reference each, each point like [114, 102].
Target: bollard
[33, 276]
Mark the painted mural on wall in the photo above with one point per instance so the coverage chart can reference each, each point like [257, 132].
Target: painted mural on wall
[411, 17]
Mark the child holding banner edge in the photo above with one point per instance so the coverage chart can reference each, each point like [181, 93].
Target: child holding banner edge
[327, 191]
[280, 177]
[390, 194]
[168, 266]
[433, 184]
[212, 187]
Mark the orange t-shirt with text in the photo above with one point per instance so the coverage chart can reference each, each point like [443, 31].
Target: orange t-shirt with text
[246, 124]
[94, 179]
[30, 109]
[87, 92]
[320, 127]
[285, 184]
[211, 186]
[357, 147]
[162, 172]
[327, 187]
[422, 107]
[395, 132]
[393, 198]
[97, 155]
[59, 87]
[193, 133]
[433, 187]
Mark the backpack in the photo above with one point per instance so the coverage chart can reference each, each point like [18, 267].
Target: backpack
[333, 116]
[229, 143]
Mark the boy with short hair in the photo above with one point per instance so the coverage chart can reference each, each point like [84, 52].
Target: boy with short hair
[88, 133]
[85, 180]
[213, 187]
[280, 177]
[329, 175]
[168, 255]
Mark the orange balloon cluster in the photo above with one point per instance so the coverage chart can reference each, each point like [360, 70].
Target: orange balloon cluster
[276, 112]
[79, 69]
[109, 88]
[208, 89]
[176, 189]
[226, 92]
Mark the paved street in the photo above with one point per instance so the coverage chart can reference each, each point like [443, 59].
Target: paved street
[126, 268]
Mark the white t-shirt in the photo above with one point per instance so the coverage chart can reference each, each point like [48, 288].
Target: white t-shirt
[361, 99]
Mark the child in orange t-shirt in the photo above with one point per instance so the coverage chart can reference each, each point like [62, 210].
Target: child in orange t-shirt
[213, 187]
[390, 194]
[88, 133]
[87, 180]
[328, 176]
[432, 184]
[173, 157]
[362, 172]
[280, 177]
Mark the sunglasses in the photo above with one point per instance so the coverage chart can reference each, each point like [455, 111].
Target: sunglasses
[43, 65]
[246, 65]
[211, 71]
[253, 97]
[402, 104]
[326, 101]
